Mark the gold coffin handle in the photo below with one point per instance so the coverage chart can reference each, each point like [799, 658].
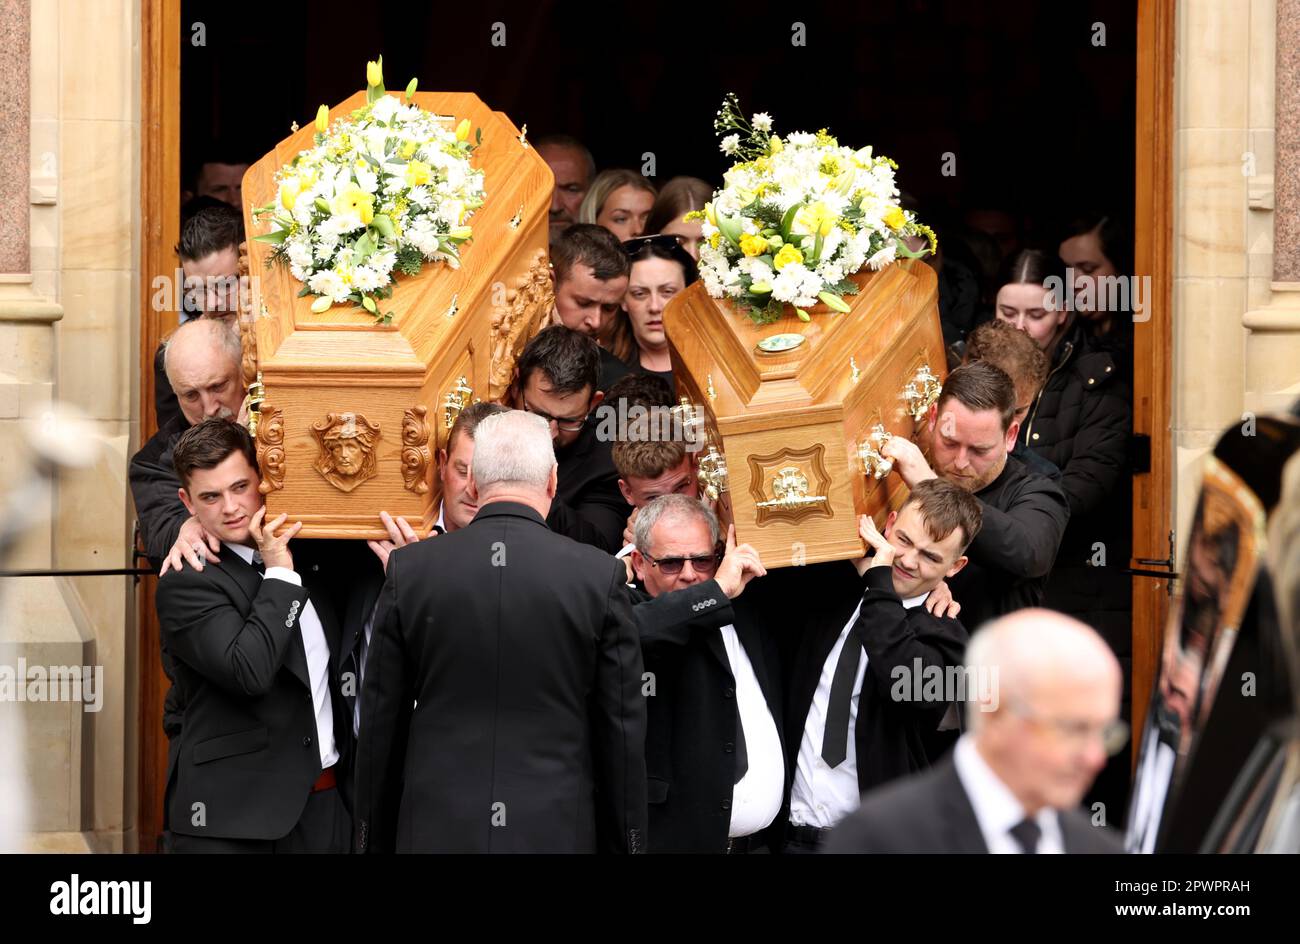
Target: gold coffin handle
[456, 400]
[869, 452]
[921, 391]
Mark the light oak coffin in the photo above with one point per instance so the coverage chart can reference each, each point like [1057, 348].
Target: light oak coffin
[794, 430]
[454, 339]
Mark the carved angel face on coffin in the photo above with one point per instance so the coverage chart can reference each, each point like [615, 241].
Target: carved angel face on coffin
[347, 444]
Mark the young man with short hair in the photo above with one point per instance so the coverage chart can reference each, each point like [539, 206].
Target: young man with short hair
[853, 721]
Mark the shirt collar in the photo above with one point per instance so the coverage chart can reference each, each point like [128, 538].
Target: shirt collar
[440, 523]
[996, 807]
[916, 601]
[246, 554]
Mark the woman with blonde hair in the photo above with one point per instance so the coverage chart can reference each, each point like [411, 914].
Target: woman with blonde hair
[619, 200]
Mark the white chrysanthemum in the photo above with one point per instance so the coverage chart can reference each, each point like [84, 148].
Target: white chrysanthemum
[730, 144]
[762, 121]
[328, 282]
[792, 283]
[367, 279]
[384, 109]
[884, 257]
[298, 249]
[756, 269]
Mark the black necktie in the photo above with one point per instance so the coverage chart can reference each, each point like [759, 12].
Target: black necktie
[1027, 833]
[259, 565]
[742, 753]
[439, 529]
[835, 737]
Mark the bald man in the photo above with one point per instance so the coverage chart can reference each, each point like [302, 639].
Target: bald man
[1042, 716]
[202, 361]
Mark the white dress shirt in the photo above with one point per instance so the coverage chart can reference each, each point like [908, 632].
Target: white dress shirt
[318, 659]
[821, 795]
[996, 807]
[756, 800]
[440, 523]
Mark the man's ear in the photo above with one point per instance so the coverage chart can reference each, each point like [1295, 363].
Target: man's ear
[1013, 433]
[957, 565]
[471, 487]
[627, 492]
[638, 565]
[889, 523]
[553, 483]
[596, 399]
[185, 499]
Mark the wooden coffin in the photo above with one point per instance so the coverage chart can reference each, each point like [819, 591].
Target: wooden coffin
[395, 388]
[788, 437]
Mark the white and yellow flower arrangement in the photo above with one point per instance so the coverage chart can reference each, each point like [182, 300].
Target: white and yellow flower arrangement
[380, 192]
[796, 217]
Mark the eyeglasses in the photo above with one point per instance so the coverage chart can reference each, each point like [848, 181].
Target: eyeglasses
[704, 564]
[661, 240]
[566, 424]
[1113, 734]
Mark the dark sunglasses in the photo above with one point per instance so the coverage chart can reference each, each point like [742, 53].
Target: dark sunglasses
[661, 240]
[704, 565]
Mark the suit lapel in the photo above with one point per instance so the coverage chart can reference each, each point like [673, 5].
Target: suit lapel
[960, 826]
[249, 582]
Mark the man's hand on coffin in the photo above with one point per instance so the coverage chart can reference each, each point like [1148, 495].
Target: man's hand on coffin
[940, 602]
[400, 534]
[740, 564]
[631, 523]
[908, 460]
[193, 546]
[879, 552]
[273, 547]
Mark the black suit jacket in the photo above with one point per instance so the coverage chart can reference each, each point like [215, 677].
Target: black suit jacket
[1024, 518]
[154, 487]
[247, 746]
[893, 736]
[502, 707]
[588, 506]
[693, 714]
[930, 812]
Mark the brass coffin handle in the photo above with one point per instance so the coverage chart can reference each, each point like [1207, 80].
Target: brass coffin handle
[874, 462]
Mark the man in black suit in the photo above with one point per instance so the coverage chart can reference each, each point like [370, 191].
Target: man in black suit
[502, 707]
[203, 363]
[714, 756]
[970, 432]
[209, 256]
[557, 378]
[265, 740]
[1043, 715]
[866, 695]
[202, 360]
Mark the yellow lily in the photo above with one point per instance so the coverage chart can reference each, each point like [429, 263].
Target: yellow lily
[322, 119]
[895, 218]
[814, 219]
[375, 72]
[417, 173]
[462, 130]
[356, 200]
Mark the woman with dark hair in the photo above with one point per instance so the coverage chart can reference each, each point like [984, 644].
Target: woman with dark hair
[660, 269]
[1081, 420]
[1098, 249]
[680, 196]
